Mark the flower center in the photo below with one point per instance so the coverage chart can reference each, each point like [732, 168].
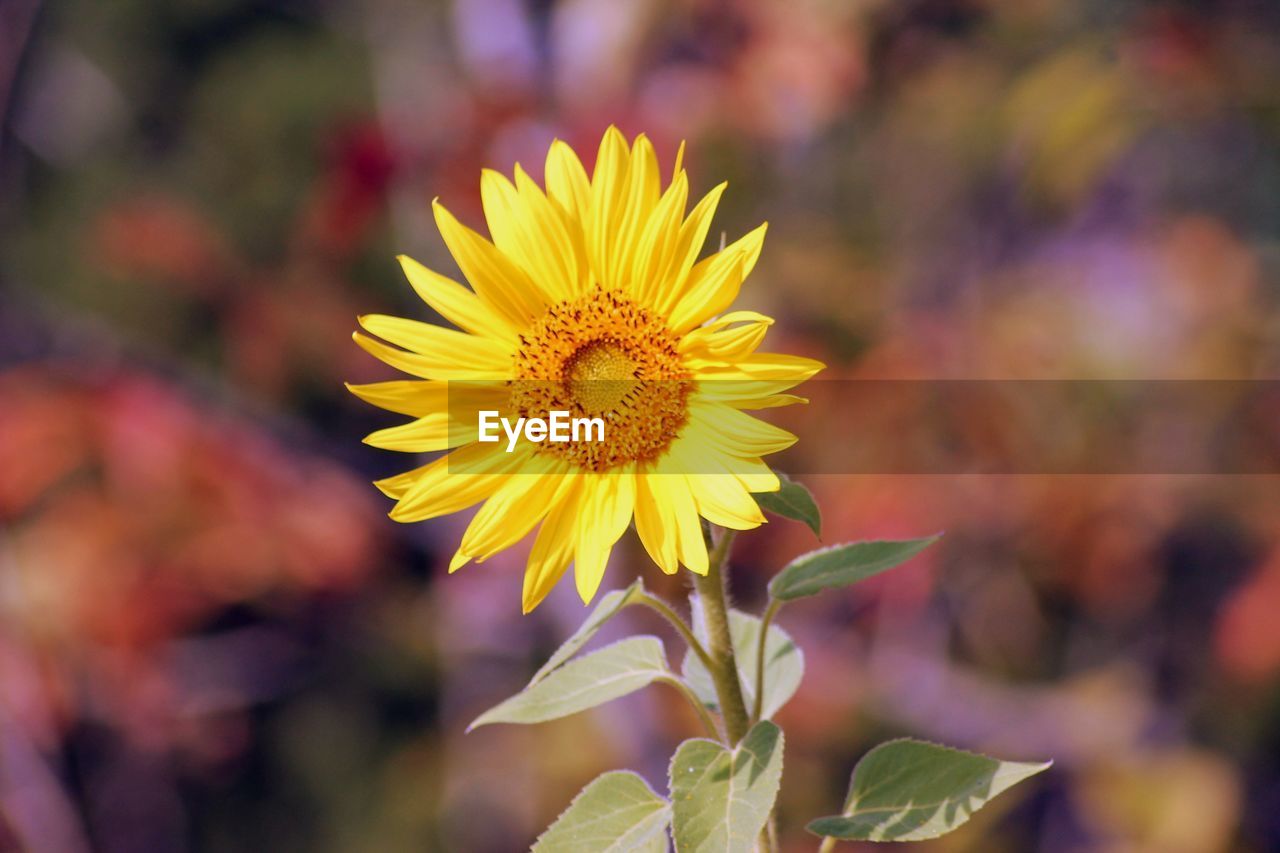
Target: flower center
[604, 356]
[600, 375]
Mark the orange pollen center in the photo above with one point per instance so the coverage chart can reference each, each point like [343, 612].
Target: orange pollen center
[604, 356]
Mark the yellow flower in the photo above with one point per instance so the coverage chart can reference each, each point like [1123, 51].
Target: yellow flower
[591, 293]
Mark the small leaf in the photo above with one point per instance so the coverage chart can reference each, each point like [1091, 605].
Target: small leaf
[609, 673]
[909, 790]
[721, 798]
[792, 501]
[616, 812]
[841, 565]
[608, 607]
[784, 664]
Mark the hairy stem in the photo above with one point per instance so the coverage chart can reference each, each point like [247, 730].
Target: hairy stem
[761, 644]
[655, 603]
[713, 598]
[708, 722]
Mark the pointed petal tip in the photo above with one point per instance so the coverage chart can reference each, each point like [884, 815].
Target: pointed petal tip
[397, 514]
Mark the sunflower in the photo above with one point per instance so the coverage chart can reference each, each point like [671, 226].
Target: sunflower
[590, 297]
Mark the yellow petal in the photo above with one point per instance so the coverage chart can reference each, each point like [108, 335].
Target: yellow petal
[656, 524]
[404, 396]
[689, 242]
[526, 229]
[559, 231]
[639, 200]
[513, 510]
[732, 337]
[495, 277]
[714, 283]
[721, 481]
[657, 247]
[773, 401]
[408, 362]
[763, 366]
[452, 354]
[450, 420]
[609, 184]
[567, 182]
[424, 435]
[669, 485]
[607, 503]
[735, 430]
[703, 452]
[744, 393]
[723, 500]
[455, 303]
[713, 385]
[553, 548]
[457, 480]
[396, 486]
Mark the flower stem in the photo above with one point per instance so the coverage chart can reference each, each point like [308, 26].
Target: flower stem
[828, 844]
[772, 610]
[707, 722]
[655, 603]
[713, 598]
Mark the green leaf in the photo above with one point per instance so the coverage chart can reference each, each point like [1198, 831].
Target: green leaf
[909, 790]
[783, 670]
[616, 812]
[721, 798]
[792, 501]
[841, 565]
[609, 673]
[608, 607]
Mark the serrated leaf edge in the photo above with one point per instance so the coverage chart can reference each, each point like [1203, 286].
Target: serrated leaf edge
[665, 671]
[783, 481]
[1038, 767]
[626, 592]
[665, 805]
[733, 753]
[809, 556]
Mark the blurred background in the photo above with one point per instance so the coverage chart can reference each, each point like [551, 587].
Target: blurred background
[211, 637]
